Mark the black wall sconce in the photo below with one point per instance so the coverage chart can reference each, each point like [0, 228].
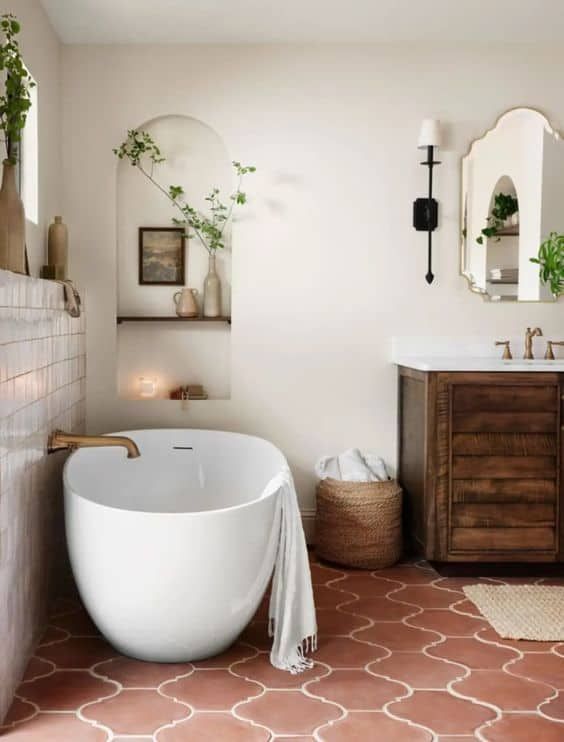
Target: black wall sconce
[426, 210]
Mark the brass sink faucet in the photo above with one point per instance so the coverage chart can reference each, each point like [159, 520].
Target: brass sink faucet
[58, 441]
[529, 335]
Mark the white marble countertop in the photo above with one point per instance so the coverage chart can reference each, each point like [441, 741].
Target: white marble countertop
[461, 363]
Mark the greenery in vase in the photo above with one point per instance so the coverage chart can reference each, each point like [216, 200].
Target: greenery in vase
[551, 262]
[505, 205]
[15, 101]
[143, 153]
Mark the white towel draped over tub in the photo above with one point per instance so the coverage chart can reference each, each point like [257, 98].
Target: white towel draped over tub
[292, 622]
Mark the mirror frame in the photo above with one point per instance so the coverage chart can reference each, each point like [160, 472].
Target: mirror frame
[463, 251]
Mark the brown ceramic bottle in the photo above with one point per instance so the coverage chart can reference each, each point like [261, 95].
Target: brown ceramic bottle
[57, 244]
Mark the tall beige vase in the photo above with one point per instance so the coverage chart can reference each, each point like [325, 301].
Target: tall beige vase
[12, 222]
[212, 291]
[57, 246]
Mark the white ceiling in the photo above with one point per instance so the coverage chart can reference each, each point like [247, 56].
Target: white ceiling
[259, 21]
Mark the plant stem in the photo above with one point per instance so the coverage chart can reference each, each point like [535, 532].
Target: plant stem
[149, 176]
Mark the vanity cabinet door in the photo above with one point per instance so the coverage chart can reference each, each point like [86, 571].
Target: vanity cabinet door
[501, 491]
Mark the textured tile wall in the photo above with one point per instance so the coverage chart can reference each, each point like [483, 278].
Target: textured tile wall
[42, 387]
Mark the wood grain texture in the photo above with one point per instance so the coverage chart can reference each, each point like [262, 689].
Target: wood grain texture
[493, 397]
[504, 467]
[519, 540]
[471, 515]
[504, 422]
[504, 490]
[505, 444]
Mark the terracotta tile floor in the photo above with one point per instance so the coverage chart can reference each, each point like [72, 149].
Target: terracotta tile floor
[403, 657]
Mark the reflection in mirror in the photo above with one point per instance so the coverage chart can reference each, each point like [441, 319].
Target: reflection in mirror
[512, 196]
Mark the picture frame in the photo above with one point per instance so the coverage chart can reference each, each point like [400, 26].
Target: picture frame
[162, 256]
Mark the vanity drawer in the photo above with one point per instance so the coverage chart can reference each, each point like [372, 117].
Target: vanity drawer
[504, 490]
[504, 422]
[502, 539]
[503, 467]
[494, 515]
[506, 398]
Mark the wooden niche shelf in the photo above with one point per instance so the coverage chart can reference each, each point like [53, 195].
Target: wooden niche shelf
[173, 318]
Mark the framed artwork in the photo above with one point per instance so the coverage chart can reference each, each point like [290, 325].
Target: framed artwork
[161, 256]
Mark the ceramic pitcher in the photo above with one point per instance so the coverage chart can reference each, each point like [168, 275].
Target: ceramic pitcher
[186, 304]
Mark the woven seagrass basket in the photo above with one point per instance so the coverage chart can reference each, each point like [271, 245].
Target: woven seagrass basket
[358, 524]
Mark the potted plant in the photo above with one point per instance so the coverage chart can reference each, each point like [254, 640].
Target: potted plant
[143, 153]
[551, 262]
[505, 206]
[15, 102]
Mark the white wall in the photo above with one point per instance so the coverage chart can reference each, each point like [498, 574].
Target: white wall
[41, 53]
[326, 264]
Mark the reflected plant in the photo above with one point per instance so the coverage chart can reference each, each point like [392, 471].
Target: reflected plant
[15, 101]
[505, 205]
[143, 153]
[551, 262]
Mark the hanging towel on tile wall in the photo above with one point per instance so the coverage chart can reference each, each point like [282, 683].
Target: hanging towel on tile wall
[292, 622]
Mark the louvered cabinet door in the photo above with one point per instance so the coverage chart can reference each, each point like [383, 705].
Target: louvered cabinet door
[503, 466]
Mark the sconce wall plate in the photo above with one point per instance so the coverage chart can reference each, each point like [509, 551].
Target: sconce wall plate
[425, 214]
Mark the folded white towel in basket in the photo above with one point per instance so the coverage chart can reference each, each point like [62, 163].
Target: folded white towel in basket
[353, 465]
[292, 622]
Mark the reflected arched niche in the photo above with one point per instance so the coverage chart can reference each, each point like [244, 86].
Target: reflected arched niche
[171, 353]
[502, 250]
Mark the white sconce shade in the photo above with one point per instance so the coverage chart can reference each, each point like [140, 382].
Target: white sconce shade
[147, 387]
[429, 134]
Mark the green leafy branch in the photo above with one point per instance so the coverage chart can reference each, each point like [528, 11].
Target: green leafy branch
[505, 205]
[551, 262]
[144, 154]
[15, 101]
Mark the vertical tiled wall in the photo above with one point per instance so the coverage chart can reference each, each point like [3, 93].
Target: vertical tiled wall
[42, 386]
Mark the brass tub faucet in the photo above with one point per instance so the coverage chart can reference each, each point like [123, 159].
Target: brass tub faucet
[59, 441]
[529, 335]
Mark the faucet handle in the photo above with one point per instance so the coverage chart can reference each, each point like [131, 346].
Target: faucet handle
[507, 350]
[549, 355]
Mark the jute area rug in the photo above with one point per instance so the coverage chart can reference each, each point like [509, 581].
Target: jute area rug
[534, 612]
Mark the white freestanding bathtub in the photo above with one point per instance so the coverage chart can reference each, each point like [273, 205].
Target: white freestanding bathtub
[172, 551]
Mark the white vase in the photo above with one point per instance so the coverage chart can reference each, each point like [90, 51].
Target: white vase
[212, 291]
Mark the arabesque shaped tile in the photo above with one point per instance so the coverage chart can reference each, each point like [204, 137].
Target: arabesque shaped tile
[77, 652]
[507, 692]
[357, 690]
[37, 668]
[473, 653]
[321, 575]
[398, 636]
[213, 727]
[447, 623]
[339, 623]
[544, 667]
[426, 596]
[256, 636]
[331, 597]
[136, 712]
[77, 623]
[18, 712]
[417, 670]
[382, 609]
[136, 674]
[488, 634]
[211, 690]
[65, 690]
[289, 712]
[554, 708]
[344, 652]
[441, 712]
[56, 728]
[361, 726]
[53, 634]
[367, 586]
[236, 653]
[524, 728]
[260, 670]
[410, 574]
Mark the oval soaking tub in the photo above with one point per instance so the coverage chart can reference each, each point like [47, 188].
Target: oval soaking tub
[172, 551]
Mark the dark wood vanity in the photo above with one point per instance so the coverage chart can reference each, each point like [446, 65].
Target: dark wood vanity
[479, 460]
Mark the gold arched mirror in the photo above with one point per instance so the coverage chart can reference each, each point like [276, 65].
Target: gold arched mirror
[512, 200]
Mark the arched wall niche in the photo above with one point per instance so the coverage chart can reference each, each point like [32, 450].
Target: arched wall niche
[172, 353]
